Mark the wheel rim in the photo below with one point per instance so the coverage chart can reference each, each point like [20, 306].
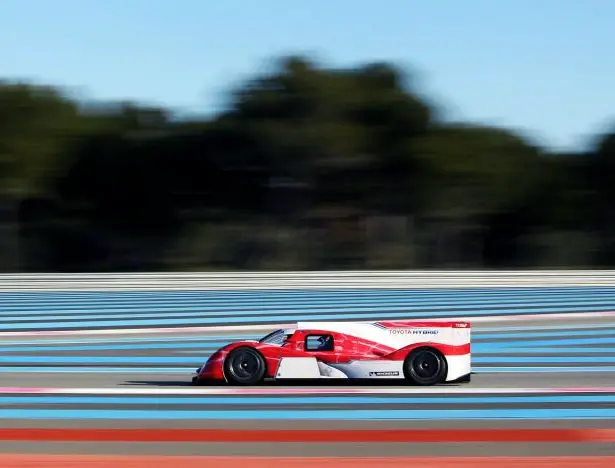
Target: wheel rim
[426, 365]
[245, 365]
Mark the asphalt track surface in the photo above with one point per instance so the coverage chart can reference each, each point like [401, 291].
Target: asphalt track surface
[554, 373]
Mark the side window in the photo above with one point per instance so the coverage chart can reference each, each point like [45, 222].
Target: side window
[319, 343]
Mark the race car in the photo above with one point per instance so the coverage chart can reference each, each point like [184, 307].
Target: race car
[418, 353]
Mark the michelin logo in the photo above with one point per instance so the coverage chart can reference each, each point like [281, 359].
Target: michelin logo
[384, 374]
[406, 331]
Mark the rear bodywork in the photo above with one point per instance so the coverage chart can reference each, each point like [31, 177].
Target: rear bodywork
[350, 350]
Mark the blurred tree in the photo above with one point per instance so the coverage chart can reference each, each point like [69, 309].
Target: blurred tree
[472, 176]
[37, 124]
[474, 170]
[350, 164]
[345, 134]
[602, 180]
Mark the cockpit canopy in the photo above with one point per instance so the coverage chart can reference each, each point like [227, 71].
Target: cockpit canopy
[278, 337]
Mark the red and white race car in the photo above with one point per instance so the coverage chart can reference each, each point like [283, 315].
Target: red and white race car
[420, 353]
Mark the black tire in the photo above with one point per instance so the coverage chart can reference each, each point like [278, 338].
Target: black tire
[425, 366]
[244, 366]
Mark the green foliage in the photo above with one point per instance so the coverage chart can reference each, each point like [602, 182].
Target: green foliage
[310, 167]
[477, 169]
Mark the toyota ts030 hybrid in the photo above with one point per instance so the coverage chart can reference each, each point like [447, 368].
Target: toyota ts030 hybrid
[419, 353]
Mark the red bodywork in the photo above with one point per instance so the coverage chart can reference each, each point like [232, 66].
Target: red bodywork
[347, 348]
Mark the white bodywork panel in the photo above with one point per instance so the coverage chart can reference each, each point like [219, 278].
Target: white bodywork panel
[311, 368]
[298, 368]
[458, 366]
[372, 369]
[330, 372]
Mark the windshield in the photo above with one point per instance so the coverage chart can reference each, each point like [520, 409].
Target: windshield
[277, 337]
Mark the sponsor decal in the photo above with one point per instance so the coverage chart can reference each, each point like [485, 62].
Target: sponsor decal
[407, 331]
[384, 374]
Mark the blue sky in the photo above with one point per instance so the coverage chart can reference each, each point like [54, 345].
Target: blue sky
[544, 67]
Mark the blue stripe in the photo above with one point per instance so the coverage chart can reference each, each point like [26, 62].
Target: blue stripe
[477, 349]
[534, 368]
[303, 400]
[112, 339]
[545, 359]
[185, 371]
[200, 359]
[555, 334]
[298, 304]
[556, 346]
[212, 345]
[103, 359]
[204, 346]
[56, 324]
[34, 299]
[264, 293]
[554, 327]
[189, 370]
[311, 414]
[564, 342]
[299, 308]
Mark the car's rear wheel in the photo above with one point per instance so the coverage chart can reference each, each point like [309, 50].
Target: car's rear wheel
[244, 366]
[425, 366]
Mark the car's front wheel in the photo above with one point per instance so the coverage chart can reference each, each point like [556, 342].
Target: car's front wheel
[425, 366]
[244, 366]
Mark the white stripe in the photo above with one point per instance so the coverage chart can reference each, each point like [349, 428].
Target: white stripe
[294, 391]
[144, 331]
[304, 280]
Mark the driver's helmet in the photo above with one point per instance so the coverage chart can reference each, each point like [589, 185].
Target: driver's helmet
[323, 342]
